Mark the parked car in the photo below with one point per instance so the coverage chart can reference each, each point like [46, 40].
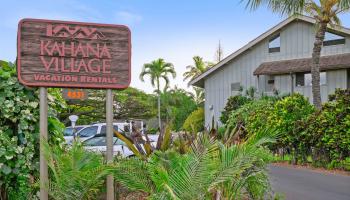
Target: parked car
[98, 144]
[98, 128]
[68, 132]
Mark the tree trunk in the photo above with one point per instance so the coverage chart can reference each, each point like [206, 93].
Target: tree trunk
[315, 66]
[159, 120]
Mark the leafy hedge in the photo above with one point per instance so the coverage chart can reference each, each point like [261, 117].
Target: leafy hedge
[19, 135]
[324, 135]
[233, 103]
[328, 132]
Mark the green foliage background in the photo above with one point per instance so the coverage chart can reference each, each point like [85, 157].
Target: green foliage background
[233, 103]
[324, 135]
[19, 134]
[194, 122]
[176, 106]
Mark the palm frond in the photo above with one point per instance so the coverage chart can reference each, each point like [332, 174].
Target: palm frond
[133, 173]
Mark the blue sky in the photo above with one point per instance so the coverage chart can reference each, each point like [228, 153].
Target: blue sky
[175, 30]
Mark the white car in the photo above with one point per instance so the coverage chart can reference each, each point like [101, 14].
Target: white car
[98, 144]
[97, 129]
[68, 132]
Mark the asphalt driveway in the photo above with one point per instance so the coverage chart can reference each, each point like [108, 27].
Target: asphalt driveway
[304, 184]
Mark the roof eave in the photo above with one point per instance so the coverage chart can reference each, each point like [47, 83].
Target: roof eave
[196, 80]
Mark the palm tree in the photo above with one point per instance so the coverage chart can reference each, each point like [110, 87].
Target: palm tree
[194, 70]
[198, 96]
[325, 13]
[157, 70]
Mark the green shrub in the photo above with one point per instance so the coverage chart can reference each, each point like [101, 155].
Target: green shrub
[19, 134]
[286, 115]
[328, 131]
[233, 103]
[251, 117]
[195, 121]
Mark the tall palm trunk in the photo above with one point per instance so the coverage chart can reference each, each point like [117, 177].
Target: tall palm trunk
[315, 66]
[159, 120]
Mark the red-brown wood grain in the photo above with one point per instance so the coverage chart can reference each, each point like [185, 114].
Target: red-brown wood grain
[72, 54]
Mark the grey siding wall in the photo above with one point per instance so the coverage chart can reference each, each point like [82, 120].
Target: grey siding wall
[335, 79]
[296, 42]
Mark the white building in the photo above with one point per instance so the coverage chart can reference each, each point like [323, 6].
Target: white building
[279, 59]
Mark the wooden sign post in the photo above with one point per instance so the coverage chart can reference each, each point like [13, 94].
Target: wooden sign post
[73, 55]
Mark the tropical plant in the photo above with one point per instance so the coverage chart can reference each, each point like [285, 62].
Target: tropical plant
[249, 118]
[134, 103]
[285, 117]
[141, 145]
[74, 172]
[233, 103]
[325, 12]
[157, 70]
[130, 103]
[177, 105]
[250, 92]
[328, 131]
[19, 134]
[194, 70]
[209, 169]
[195, 121]
[198, 96]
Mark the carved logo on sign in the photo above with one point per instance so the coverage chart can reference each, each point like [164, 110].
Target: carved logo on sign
[73, 32]
[72, 54]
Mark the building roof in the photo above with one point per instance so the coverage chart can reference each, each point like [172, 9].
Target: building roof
[199, 80]
[339, 61]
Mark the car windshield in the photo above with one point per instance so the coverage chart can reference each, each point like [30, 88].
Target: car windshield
[69, 131]
[103, 129]
[88, 131]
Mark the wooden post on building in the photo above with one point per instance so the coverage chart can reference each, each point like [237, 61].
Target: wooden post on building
[44, 179]
[109, 141]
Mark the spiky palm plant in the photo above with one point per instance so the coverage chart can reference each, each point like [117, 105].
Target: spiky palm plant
[194, 70]
[74, 173]
[211, 168]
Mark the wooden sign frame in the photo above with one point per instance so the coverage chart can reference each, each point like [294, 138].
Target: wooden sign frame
[74, 27]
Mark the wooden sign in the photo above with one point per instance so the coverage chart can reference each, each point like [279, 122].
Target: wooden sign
[73, 54]
[74, 94]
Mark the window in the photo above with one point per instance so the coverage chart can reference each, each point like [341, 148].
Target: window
[103, 129]
[305, 79]
[119, 142]
[275, 44]
[333, 39]
[270, 83]
[68, 132]
[99, 141]
[235, 86]
[96, 141]
[88, 132]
